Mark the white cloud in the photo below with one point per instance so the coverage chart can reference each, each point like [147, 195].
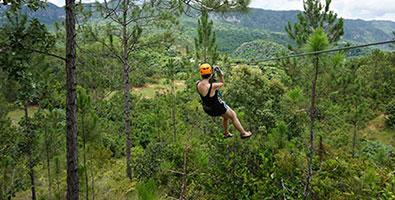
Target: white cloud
[57, 2]
[278, 4]
[350, 9]
[63, 2]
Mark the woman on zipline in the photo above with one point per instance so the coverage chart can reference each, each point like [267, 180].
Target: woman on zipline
[212, 102]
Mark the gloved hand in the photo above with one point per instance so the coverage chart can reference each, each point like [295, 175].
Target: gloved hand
[218, 70]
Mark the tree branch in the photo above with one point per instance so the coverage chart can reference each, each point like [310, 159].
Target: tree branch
[46, 53]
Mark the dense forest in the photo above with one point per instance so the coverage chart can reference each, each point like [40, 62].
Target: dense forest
[103, 105]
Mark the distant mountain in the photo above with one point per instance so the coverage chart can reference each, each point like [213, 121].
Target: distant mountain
[235, 29]
[231, 36]
[259, 49]
[47, 15]
[358, 31]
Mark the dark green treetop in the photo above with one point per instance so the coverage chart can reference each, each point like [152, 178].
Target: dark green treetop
[315, 15]
[205, 43]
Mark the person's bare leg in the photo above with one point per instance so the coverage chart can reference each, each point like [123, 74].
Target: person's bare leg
[236, 123]
[225, 124]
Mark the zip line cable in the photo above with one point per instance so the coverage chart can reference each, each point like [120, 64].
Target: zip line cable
[284, 57]
[320, 52]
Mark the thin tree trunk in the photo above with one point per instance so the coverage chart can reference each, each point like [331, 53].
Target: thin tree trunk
[126, 88]
[93, 181]
[321, 149]
[84, 146]
[184, 172]
[353, 139]
[29, 152]
[311, 141]
[234, 171]
[174, 114]
[71, 106]
[4, 189]
[57, 172]
[49, 170]
[12, 180]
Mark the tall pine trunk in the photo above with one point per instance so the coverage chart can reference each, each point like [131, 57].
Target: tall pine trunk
[57, 174]
[174, 112]
[311, 141]
[48, 169]
[29, 152]
[71, 106]
[126, 88]
[4, 188]
[85, 166]
[354, 137]
[93, 180]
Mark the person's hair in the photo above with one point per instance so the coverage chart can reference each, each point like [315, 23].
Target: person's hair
[206, 76]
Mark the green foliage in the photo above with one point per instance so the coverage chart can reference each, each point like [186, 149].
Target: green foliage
[278, 137]
[276, 73]
[259, 49]
[318, 41]
[22, 35]
[146, 190]
[147, 164]
[271, 99]
[16, 5]
[377, 72]
[9, 155]
[390, 112]
[250, 92]
[378, 152]
[205, 43]
[315, 15]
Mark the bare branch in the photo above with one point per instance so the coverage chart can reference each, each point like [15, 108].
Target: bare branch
[46, 53]
[173, 171]
[292, 151]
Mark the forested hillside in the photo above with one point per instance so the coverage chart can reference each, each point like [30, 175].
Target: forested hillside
[257, 24]
[259, 49]
[113, 111]
[358, 31]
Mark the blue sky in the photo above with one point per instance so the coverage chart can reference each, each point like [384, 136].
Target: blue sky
[348, 9]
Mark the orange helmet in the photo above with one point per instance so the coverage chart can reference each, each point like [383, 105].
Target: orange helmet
[205, 69]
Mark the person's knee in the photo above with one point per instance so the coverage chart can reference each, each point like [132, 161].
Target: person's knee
[233, 114]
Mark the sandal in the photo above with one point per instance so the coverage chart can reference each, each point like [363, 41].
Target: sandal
[246, 136]
[228, 135]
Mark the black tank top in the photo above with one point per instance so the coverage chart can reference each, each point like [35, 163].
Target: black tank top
[211, 102]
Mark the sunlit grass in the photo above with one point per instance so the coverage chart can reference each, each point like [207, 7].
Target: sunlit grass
[150, 90]
[376, 131]
[16, 115]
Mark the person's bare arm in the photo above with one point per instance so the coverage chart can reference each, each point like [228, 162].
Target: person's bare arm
[221, 82]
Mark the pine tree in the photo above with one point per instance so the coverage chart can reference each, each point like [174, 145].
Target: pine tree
[317, 42]
[87, 119]
[315, 15]
[205, 43]
[71, 104]
[132, 20]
